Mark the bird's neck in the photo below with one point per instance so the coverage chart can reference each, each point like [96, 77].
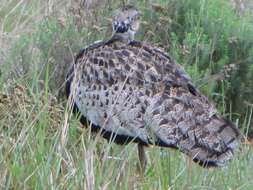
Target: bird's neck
[125, 37]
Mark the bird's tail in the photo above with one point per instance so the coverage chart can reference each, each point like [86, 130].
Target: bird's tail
[213, 144]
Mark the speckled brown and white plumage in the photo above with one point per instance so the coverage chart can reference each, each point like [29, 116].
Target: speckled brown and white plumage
[135, 92]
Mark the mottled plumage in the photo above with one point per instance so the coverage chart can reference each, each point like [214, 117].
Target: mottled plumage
[136, 92]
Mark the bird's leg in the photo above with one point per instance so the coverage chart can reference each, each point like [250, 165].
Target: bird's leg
[142, 157]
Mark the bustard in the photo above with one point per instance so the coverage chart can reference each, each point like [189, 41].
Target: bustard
[134, 92]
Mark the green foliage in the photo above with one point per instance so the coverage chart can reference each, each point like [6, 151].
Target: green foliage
[204, 36]
[46, 53]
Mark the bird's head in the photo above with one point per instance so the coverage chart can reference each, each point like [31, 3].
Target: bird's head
[126, 21]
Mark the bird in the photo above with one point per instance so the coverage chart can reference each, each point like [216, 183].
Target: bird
[132, 91]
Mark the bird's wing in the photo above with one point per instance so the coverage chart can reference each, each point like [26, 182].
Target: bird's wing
[139, 91]
[184, 118]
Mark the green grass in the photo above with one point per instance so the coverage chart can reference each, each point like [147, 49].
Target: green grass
[41, 151]
[43, 147]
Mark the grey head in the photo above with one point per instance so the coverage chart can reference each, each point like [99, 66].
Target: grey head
[126, 22]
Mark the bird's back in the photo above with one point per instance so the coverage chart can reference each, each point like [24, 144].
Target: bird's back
[138, 92]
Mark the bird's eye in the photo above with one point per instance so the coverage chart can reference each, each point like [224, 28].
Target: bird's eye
[130, 19]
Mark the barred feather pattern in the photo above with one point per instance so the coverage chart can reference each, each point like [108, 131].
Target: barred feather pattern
[137, 91]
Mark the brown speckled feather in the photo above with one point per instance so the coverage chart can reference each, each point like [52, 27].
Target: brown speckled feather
[137, 91]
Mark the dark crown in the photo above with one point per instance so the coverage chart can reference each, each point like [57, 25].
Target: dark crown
[121, 27]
